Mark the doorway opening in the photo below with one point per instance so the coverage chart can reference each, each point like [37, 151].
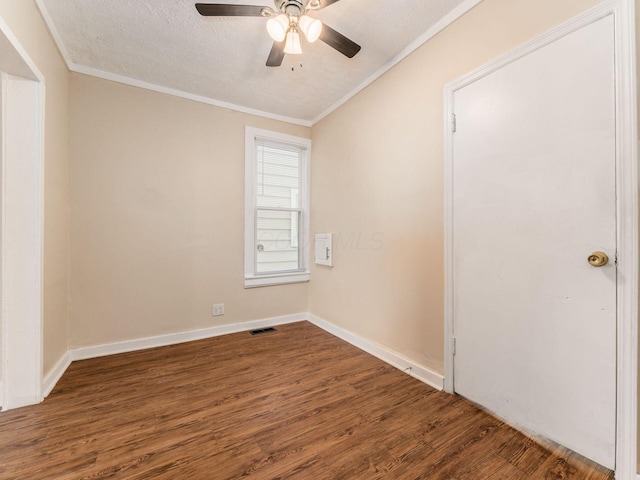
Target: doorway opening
[21, 224]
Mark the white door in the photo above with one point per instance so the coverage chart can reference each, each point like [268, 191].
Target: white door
[533, 196]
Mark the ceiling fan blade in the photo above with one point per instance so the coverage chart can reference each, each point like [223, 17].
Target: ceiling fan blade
[338, 41]
[318, 4]
[276, 55]
[225, 10]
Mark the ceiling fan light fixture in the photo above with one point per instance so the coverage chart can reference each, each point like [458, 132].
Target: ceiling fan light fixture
[293, 45]
[278, 26]
[311, 27]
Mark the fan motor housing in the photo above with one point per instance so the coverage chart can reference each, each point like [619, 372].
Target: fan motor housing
[286, 6]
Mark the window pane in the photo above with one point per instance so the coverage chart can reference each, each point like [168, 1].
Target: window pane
[277, 175]
[276, 252]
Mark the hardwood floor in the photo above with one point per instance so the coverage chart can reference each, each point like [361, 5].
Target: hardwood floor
[294, 404]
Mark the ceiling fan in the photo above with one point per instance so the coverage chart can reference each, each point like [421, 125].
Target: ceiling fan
[285, 23]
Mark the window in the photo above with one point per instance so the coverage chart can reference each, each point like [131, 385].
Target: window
[276, 208]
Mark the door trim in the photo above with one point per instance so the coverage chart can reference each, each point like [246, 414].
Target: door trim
[626, 206]
[22, 223]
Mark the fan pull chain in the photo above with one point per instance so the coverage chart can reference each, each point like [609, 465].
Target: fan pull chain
[293, 68]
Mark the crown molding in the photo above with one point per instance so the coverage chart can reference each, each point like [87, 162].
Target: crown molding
[114, 77]
[444, 22]
[94, 72]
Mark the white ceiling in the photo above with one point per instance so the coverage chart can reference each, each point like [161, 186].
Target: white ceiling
[166, 45]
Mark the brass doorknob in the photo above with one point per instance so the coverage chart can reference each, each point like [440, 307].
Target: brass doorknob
[598, 259]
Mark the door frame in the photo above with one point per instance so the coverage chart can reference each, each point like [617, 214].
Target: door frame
[22, 87]
[623, 12]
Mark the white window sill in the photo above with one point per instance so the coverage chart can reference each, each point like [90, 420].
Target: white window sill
[275, 279]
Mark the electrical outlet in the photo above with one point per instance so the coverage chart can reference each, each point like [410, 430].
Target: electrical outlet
[218, 310]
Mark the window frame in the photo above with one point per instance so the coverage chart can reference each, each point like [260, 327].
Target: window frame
[253, 279]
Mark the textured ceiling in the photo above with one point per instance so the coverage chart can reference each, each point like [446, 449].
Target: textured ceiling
[168, 44]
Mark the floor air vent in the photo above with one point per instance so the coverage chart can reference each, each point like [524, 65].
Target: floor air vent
[262, 330]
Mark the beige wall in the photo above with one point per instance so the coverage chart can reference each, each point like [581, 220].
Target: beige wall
[25, 22]
[377, 174]
[157, 206]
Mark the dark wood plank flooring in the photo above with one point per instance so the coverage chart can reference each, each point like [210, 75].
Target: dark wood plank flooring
[294, 404]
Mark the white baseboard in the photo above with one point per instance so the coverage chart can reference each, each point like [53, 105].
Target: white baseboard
[55, 374]
[394, 359]
[94, 351]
